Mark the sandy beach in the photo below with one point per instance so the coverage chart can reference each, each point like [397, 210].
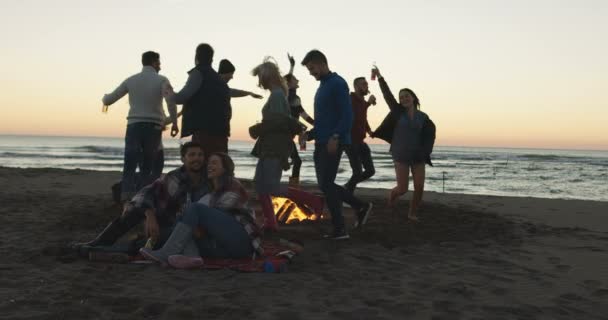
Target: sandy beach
[470, 257]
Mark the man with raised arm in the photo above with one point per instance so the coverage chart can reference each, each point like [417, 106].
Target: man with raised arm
[144, 122]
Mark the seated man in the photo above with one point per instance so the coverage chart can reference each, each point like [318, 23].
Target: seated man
[159, 203]
[229, 226]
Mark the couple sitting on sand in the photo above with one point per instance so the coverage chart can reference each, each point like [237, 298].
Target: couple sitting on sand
[195, 211]
[198, 210]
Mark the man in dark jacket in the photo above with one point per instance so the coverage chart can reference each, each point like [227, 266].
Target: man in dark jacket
[206, 100]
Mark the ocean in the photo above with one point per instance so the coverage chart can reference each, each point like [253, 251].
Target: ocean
[563, 174]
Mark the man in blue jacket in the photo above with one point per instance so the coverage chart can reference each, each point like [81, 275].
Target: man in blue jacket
[332, 129]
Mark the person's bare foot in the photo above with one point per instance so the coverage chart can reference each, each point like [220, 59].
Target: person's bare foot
[412, 217]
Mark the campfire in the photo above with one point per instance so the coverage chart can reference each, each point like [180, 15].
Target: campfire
[288, 211]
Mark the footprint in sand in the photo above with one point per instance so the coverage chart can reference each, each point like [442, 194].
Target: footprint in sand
[499, 291]
[601, 293]
[365, 258]
[592, 283]
[554, 260]
[153, 310]
[563, 267]
[571, 296]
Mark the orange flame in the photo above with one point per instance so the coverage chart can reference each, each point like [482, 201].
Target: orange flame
[288, 211]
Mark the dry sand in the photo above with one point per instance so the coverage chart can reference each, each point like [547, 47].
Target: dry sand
[471, 257]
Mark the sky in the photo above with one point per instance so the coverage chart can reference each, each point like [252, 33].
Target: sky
[489, 73]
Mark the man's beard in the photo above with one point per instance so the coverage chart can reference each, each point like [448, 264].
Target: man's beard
[196, 169]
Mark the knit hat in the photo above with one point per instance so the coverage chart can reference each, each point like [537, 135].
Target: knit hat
[225, 67]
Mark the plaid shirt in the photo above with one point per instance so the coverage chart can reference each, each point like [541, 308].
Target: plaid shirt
[233, 200]
[168, 195]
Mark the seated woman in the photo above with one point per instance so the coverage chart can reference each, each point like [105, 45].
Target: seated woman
[227, 224]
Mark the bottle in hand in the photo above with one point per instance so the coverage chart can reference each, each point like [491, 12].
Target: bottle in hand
[302, 141]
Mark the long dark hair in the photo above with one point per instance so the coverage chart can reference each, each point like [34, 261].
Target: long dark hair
[225, 181]
[416, 100]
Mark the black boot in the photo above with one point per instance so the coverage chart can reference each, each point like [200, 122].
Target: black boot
[116, 229]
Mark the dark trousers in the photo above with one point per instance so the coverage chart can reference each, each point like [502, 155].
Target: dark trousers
[159, 164]
[210, 143]
[360, 157]
[326, 168]
[224, 237]
[142, 141]
[296, 162]
[133, 217]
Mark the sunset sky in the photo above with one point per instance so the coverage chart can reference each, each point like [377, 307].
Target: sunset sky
[489, 73]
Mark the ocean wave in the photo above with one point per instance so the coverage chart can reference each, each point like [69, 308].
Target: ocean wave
[100, 149]
[19, 155]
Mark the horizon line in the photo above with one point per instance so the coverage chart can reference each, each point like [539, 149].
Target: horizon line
[239, 140]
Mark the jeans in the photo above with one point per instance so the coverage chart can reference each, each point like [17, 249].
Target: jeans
[142, 141]
[360, 156]
[159, 164]
[326, 168]
[224, 236]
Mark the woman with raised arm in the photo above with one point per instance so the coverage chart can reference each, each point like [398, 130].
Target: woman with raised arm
[219, 225]
[411, 134]
[297, 111]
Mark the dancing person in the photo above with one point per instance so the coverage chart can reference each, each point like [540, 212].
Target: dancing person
[206, 100]
[226, 71]
[332, 133]
[144, 122]
[411, 134]
[219, 225]
[359, 154]
[274, 145]
[297, 111]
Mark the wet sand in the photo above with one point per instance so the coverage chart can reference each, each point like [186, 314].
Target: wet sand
[470, 257]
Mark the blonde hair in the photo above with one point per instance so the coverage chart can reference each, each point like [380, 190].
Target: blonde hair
[269, 75]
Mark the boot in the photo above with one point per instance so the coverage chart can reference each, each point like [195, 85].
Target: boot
[301, 197]
[190, 259]
[270, 221]
[185, 262]
[191, 249]
[113, 231]
[182, 233]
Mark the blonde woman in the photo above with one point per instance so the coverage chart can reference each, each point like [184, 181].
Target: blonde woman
[274, 144]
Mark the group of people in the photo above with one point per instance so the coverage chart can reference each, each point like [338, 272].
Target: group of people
[201, 209]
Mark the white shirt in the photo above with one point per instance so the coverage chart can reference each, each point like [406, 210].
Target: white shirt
[146, 92]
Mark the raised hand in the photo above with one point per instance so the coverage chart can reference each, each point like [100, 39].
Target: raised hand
[376, 72]
[292, 61]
